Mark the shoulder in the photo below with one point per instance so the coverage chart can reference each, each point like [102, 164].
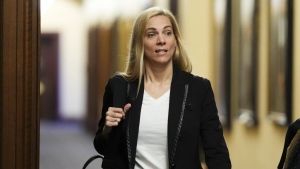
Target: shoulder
[115, 82]
[198, 80]
[196, 83]
[295, 125]
[115, 79]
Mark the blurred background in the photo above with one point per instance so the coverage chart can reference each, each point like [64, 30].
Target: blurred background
[246, 48]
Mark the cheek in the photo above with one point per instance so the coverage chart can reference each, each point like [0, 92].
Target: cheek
[174, 43]
[147, 50]
[174, 46]
[148, 47]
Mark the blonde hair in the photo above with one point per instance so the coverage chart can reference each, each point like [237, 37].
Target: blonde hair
[135, 60]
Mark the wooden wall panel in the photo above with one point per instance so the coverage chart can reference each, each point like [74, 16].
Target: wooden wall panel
[93, 110]
[8, 80]
[19, 130]
[101, 67]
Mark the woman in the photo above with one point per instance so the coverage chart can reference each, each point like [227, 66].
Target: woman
[166, 112]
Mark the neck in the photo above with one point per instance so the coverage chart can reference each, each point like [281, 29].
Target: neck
[159, 75]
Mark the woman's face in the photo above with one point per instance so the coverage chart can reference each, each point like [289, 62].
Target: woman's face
[159, 41]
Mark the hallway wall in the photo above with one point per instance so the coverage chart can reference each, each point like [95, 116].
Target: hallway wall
[296, 108]
[67, 19]
[257, 147]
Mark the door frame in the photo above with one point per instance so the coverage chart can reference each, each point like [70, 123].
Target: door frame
[19, 76]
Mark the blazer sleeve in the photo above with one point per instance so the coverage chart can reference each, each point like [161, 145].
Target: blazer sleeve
[99, 141]
[214, 146]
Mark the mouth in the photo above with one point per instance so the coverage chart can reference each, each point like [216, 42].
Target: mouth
[161, 51]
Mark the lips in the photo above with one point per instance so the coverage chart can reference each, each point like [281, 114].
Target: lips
[161, 51]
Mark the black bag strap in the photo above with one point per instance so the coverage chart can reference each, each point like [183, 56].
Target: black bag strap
[120, 98]
[90, 160]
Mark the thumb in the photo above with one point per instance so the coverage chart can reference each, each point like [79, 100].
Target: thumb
[127, 107]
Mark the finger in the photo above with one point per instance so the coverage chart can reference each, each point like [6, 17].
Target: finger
[112, 121]
[111, 124]
[115, 109]
[115, 112]
[126, 108]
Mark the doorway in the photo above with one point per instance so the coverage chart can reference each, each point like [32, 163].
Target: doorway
[49, 76]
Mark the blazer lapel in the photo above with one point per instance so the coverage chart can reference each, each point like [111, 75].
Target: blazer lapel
[178, 96]
[134, 120]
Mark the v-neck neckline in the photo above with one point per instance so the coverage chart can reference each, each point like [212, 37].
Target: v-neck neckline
[166, 94]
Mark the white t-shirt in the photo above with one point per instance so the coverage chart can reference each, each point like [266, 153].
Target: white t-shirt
[152, 144]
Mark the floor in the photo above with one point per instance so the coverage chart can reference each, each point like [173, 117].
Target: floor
[66, 146]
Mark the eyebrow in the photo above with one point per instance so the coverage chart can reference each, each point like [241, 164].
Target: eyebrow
[155, 28]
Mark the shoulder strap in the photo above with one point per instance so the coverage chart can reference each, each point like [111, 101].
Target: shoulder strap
[90, 160]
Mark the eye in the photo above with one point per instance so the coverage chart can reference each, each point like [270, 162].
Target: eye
[149, 35]
[169, 33]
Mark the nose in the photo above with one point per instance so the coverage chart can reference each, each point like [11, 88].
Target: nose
[161, 40]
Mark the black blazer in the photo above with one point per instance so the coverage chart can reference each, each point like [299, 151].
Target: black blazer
[291, 132]
[192, 116]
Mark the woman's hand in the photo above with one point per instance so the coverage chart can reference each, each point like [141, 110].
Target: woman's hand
[114, 116]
